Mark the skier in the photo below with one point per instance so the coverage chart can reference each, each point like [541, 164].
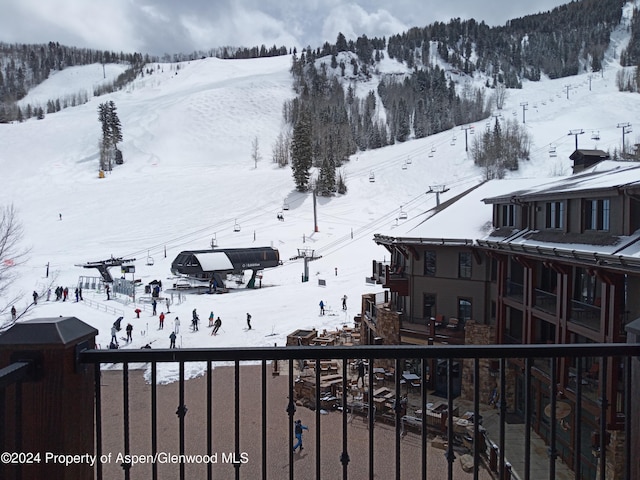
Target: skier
[114, 338]
[249, 320]
[77, 295]
[216, 326]
[108, 290]
[321, 307]
[344, 302]
[13, 313]
[172, 337]
[298, 428]
[161, 318]
[176, 325]
[167, 302]
[154, 304]
[194, 321]
[129, 331]
[35, 297]
[211, 317]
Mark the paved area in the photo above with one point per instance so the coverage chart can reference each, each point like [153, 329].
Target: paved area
[278, 447]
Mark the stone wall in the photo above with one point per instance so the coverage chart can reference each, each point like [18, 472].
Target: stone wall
[478, 334]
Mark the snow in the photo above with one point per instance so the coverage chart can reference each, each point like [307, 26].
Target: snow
[188, 177]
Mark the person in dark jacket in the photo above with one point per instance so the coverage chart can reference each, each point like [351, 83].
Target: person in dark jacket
[297, 430]
[216, 326]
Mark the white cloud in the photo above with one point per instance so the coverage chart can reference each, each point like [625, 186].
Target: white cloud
[353, 21]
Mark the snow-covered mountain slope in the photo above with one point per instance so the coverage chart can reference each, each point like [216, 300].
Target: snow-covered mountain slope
[188, 176]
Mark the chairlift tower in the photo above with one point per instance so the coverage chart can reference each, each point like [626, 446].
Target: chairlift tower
[524, 106]
[626, 128]
[466, 129]
[575, 133]
[437, 189]
[307, 255]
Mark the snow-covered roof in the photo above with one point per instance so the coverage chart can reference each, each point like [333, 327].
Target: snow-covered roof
[602, 176]
[214, 261]
[465, 219]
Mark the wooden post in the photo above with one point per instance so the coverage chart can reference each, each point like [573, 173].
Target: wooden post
[54, 412]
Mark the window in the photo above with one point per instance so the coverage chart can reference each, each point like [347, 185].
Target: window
[464, 265]
[429, 302]
[430, 263]
[596, 214]
[464, 309]
[508, 215]
[554, 215]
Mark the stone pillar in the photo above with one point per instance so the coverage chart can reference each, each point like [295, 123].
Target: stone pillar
[478, 334]
[57, 402]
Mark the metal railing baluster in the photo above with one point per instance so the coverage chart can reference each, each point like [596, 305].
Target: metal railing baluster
[125, 414]
[154, 418]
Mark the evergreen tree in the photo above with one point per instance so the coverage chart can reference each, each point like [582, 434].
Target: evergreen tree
[111, 135]
[302, 152]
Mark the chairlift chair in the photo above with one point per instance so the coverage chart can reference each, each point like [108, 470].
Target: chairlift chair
[214, 242]
[285, 206]
[149, 259]
[595, 135]
[236, 227]
[409, 160]
[552, 151]
[404, 166]
[372, 177]
[403, 214]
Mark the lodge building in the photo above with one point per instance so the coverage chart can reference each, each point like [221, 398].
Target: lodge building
[523, 262]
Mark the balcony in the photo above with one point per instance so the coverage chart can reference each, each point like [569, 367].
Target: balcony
[545, 301]
[515, 291]
[394, 278]
[237, 420]
[585, 314]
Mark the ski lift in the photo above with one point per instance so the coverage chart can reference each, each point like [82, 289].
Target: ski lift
[236, 227]
[409, 160]
[433, 150]
[595, 135]
[372, 177]
[149, 259]
[285, 206]
[552, 151]
[214, 242]
[403, 214]
[404, 166]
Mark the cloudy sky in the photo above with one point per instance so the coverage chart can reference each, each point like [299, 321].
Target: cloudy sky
[181, 26]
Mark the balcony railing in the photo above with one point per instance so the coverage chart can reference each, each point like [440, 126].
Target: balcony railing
[396, 462]
[147, 430]
[546, 301]
[585, 314]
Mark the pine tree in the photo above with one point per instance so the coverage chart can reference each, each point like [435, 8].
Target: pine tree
[111, 135]
[301, 152]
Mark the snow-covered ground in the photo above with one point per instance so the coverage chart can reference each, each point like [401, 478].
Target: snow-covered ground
[188, 176]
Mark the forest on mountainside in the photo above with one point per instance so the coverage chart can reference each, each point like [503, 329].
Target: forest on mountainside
[435, 95]
[24, 66]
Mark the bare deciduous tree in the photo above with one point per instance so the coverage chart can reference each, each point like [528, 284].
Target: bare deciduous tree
[12, 254]
[280, 149]
[255, 151]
